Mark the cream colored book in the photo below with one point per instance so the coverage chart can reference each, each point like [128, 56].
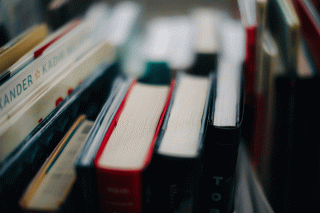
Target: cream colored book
[15, 49]
[58, 57]
[181, 138]
[24, 117]
[50, 187]
[229, 74]
[131, 140]
[206, 24]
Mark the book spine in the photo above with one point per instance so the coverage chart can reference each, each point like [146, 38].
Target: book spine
[33, 75]
[119, 191]
[86, 179]
[22, 165]
[39, 110]
[250, 63]
[175, 184]
[219, 173]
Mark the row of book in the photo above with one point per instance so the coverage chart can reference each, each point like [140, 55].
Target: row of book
[281, 110]
[93, 119]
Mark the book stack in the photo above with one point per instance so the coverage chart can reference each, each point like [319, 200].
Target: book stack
[284, 111]
[107, 111]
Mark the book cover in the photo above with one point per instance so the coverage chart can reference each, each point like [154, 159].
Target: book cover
[121, 163]
[177, 163]
[37, 51]
[25, 116]
[49, 189]
[20, 45]
[206, 23]
[220, 156]
[225, 119]
[18, 169]
[264, 104]
[295, 122]
[84, 163]
[60, 55]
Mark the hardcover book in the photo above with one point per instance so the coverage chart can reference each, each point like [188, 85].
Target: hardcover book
[84, 162]
[124, 156]
[25, 116]
[22, 164]
[225, 117]
[177, 162]
[49, 189]
[17, 47]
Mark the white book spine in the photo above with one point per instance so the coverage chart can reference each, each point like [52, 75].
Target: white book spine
[33, 75]
[25, 120]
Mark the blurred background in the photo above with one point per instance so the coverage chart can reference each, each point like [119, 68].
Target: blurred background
[18, 15]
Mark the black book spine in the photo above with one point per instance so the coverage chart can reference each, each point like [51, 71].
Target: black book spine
[294, 183]
[86, 179]
[220, 159]
[175, 186]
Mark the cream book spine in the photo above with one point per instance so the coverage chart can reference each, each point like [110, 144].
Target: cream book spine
[17, 124]
[33, 75]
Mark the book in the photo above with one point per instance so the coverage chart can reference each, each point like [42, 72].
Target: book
[310, 23]
[177, 161]
[181, 55]
[224, 128]
[264, 106]
[52, 184]
[37, 51]
[206, 26]
[249, 21]
[84, 162]
[22, 164]
[285, 28]
[261, 81]
[33, 75]
[20, 45]
[294, 122]
[26, 115]
[121, 163]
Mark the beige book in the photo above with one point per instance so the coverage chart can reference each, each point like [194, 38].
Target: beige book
[24, 117]
[15, 49]
[131, 139]
[50, 187]
[181, 137]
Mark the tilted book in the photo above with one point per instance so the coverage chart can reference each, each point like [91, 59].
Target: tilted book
[177, 162]
[84, 163]
[123, 158]
[18, 169]
[49, 189]
[25, 116]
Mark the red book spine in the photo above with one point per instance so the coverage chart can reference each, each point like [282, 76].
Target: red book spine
[250, 63]
[119, 190]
